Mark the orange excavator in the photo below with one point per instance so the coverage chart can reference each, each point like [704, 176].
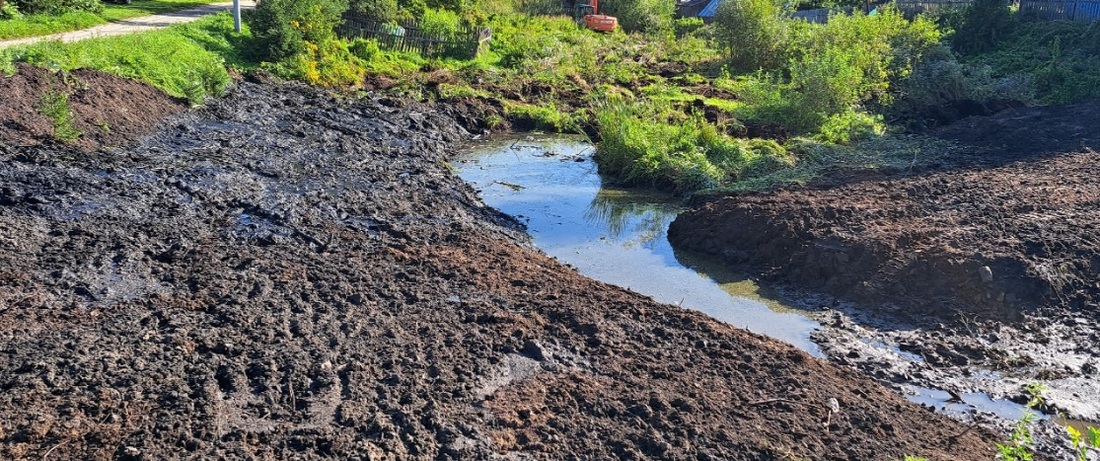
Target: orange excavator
[587, 13]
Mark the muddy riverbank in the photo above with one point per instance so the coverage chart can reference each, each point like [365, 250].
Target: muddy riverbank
[286, 273]
[990, 268]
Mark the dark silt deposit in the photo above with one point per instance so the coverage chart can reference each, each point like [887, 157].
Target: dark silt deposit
[289, 274]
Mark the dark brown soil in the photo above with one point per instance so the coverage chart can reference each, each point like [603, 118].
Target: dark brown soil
[990, 268]
[927, 241]
[286, 274]
[106, 109]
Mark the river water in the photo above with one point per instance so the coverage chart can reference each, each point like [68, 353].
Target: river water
[619, 236]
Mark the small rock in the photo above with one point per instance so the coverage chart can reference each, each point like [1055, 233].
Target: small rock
[986, 273]
[131, 451]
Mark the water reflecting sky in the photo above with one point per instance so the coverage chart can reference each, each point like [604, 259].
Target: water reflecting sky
[616, 235]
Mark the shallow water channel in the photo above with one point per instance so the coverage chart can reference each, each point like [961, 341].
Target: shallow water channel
[619, 236]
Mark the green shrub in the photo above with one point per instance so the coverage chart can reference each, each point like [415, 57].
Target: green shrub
[283, 27]
[9, 11]
[654, 144]
[754, 33]
[55, 105]
[57, 7]
[543, 117]
[330, 63]
[443, 24]
[641, 15]
[683, 27]
[381, 10]
[983, 25]
[848, 127]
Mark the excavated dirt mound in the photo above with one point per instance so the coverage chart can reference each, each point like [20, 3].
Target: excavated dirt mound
[986, 242]
[986, 275]
[104, 110]
[291, 275]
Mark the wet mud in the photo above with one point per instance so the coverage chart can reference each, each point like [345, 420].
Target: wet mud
[292, 274]
[985, 276]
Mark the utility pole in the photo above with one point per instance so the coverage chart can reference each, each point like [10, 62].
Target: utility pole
[237, 15]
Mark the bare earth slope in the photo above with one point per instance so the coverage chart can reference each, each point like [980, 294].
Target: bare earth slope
[990, 271]
[288, 275]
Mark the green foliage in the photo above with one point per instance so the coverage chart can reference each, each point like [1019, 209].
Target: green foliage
[1060, 60]
[854, 59]
[19, 25]
[9, 11]
[655, 144]
[1019, 445]
[57, 7]
[1082, 443]
[282, 28]
[754, 32]
[682, 27]
[940, 80]
[186, 60]
[848, 127]
[543, 117]
[641, 15]
[330, 63]
[381, 10]
[444, 24]
[375, 60]
[55, 105]
[983, 25]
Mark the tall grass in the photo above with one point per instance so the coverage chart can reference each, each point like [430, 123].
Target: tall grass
[187, 60]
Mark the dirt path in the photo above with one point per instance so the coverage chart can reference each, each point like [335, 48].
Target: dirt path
[993, 267]
[129, 26]
[287, 274]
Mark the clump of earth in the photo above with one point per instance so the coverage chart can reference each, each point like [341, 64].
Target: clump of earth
[291, 273]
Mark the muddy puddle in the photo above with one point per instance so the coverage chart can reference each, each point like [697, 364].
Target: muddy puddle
[619, 236]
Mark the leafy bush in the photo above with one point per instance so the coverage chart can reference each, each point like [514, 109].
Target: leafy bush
[848, 127]
[57, 7]
[754, 32]
[381, 10]
[329, 63]
[283, 27]
[9, 11]
[641, 15]
[654, 144]
[983, 25]
[443, 24]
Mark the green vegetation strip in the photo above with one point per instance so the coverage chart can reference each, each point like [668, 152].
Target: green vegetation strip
[43, 24]
[187, 60]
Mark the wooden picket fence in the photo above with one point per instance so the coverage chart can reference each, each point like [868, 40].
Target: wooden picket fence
[1048, 10]
[408, 36]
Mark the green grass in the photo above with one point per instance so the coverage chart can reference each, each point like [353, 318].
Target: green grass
[187, 60]
[36, 25]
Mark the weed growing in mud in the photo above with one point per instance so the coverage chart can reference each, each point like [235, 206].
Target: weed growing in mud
[1018, 447]
[1082, 443]
[55, 105]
